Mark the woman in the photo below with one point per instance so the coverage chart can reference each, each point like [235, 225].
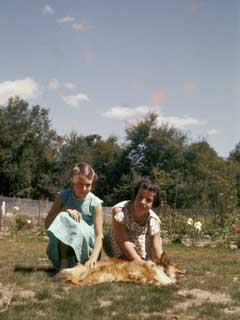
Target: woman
[135, 233]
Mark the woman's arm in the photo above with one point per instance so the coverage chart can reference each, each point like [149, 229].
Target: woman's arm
[156, 246]
[122, 238]
[98, 226]
[53, 212]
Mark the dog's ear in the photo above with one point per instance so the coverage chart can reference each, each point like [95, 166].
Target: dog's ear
[164, 260]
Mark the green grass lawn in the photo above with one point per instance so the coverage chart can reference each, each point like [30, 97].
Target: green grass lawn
[210, 290]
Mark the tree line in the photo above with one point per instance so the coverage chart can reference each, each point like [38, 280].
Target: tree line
[34, 161]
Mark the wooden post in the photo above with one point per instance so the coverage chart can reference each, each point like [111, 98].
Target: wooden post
[39, 213]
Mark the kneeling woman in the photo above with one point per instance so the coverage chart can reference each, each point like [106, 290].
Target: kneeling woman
[75, 222]
[135, 233]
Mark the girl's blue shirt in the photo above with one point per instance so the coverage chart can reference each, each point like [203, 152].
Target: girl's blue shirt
[85, 206]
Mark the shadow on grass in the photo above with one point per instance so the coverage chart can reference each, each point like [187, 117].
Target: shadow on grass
[24, 269]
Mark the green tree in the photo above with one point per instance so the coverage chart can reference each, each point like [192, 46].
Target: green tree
[157, 152]
[208, 180]
[103, 155]
[74, 149]
[152, 147]
[235, 153]
[107, 163]
[234, 163]
[27, 150]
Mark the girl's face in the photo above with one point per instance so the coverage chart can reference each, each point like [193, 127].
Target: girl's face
[81, 185]
[143, 201]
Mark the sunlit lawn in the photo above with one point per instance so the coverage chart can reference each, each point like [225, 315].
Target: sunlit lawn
[211, 289]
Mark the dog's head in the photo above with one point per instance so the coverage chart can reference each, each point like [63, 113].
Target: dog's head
[171, 269]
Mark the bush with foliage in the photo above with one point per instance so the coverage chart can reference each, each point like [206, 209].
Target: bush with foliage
[19, 222]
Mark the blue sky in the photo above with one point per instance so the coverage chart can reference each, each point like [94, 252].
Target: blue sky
[99, 65]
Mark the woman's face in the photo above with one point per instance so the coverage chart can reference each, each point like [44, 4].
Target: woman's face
[143, 201]
[81, 186]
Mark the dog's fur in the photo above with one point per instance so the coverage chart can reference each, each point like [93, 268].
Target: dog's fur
[115, 270]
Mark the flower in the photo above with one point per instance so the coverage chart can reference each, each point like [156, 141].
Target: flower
[16, 208]
[9, 214]
[190, 221]
[198, 225]
[29, 221]
[119, 216]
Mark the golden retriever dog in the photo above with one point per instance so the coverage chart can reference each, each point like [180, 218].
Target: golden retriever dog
[116, 270]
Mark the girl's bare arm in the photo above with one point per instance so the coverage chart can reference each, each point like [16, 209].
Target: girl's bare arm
[53, 212]
[98, 226]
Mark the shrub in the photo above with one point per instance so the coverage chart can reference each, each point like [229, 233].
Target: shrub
[19, 222]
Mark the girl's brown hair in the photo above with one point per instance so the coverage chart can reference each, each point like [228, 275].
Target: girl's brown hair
[84, 169]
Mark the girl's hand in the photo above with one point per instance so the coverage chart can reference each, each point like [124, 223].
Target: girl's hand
[76, 215]
[91, 262]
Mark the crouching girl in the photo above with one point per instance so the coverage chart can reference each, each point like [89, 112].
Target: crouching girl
[74, 222]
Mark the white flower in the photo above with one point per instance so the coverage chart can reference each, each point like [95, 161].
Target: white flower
[29, 221]
[119, 217]
[9, 214]
[16, 208]
[198, 225]
[190, 221]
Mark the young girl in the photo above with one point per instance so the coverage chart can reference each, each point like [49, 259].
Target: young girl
[74, 222]
[135, 233]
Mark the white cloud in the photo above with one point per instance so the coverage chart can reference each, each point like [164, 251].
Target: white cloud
[48, 10]
[81, 27]
[75, 100]
[179, 122]
[132, 114]
[70, 85]
[25, 88]
[124, 113]
[213, 132]
[66, 19]
[53, 84]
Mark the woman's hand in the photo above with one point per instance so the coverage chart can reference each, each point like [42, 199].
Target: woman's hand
[149, 263]
[91, 262]
[76, 215]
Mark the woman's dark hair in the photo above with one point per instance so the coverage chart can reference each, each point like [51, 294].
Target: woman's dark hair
[150, 186]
